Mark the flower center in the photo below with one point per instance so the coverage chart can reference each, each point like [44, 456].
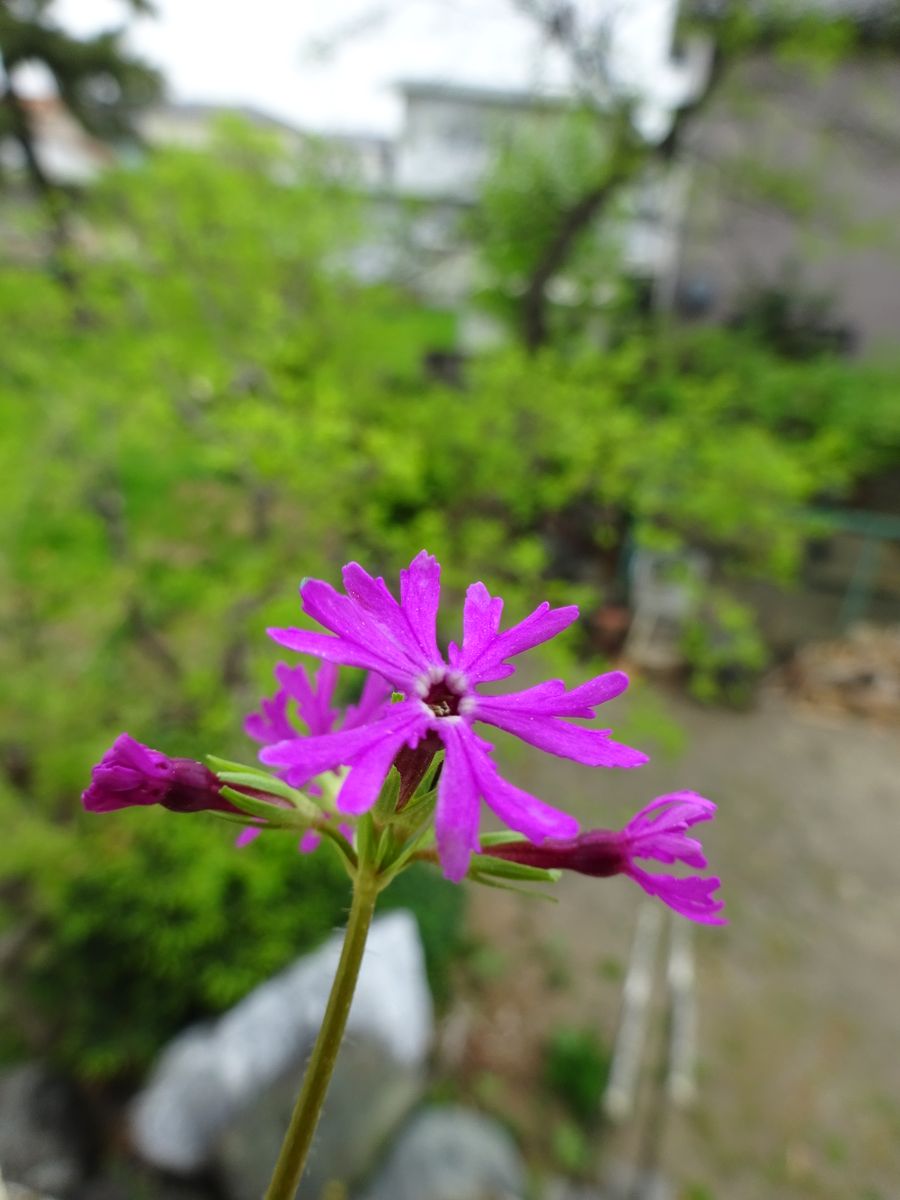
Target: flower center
[445, 693]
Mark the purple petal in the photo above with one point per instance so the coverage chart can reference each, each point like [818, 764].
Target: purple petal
[481, 625]
[593, 747]
[130, 751]
[520, 810]
[309, 842]
[369, 769]
[339, 650]
[375, 695]
[307, 757]
[246, 836]
[381, 610]
[420, 594]
[552, 698]
[456, 815]
[482, 658]
[658, 831]
[368, 616]
[270, 723]
[690, 896]
[313, 698]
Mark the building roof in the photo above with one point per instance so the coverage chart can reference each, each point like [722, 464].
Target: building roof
[501, 97]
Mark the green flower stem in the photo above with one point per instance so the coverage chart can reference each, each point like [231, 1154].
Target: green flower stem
[308, 1108]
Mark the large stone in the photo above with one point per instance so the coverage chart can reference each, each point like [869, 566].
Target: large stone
[370, 1093]
[451, 1153]
[44, 1142]
[198, 1106]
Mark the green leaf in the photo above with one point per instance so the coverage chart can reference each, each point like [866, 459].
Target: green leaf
[386, 804]
[485, 881]
[288, 818]
[501, 837]
[276, 787]
[484, 864]
[419, 840]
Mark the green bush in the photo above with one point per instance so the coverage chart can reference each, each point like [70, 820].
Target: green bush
[724, 651]
[144, 921]
[576, 1065]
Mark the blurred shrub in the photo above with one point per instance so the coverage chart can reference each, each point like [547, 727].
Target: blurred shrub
[576, 1065]
[571, 1149]
[724, 650]
[140, 925]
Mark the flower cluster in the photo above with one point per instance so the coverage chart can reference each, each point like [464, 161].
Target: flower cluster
[441, 702]
[344, 757]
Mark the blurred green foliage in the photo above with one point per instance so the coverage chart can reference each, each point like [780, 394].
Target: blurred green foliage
[576, 1066]
[217, 407]
[147, 922]
[725, 650]
[542, 169]
[571, 1149]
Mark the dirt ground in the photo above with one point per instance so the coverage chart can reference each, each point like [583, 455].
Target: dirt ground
[799, 997]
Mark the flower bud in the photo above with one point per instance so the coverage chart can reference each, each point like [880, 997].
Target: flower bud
[132, 774]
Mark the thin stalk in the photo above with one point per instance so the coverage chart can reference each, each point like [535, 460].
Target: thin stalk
[308, 1108]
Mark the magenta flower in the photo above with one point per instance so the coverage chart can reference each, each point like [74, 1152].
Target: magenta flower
[398, 641]
[132, 774]
[657, 832]
[313, 705]
[311, 701]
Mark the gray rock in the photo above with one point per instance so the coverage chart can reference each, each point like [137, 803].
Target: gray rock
[451, 1153]
[15, 1191]
[44, 1142]
[207, 1081]
[621, 1182]
[370, 1094]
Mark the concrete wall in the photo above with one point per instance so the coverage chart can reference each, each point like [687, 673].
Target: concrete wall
[833, 139]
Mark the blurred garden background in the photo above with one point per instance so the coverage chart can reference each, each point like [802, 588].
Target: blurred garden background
[599, 303]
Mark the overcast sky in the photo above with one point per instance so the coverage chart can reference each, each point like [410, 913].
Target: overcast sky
[332, 66]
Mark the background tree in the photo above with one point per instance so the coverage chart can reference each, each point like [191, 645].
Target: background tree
[100, 84]
[724, 35]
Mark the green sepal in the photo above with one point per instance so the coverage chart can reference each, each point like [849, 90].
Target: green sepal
[418, 840]
[500, 837]
[240, 775]
[298, 801]
[226, 764]
[425, 796]
[511, 887]
[485, 864]
[429, 779]
[242, 819]
[366, 847]
[287, 818]
[386, 804]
